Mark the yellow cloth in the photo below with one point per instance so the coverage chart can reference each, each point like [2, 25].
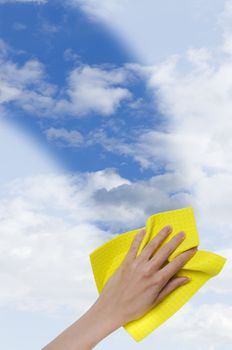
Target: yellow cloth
[202, 266]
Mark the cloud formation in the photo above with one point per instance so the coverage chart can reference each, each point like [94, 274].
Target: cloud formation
[23, 1]
[89, 89]
[64, 137]
[49, 225]
[205, 326]
[94, 89]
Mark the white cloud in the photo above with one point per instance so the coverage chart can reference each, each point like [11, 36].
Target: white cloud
[19, 26]
[49, 28]
[64, 137]
[49, 225]
[42, 217]
[3, 48]
[18, 148]
[196, 141]
[24, 84]
[71, 55]
[205, 326]
[23, 1]
[223, 283]
[89, 89]
[100, 9]
[36, 232]
[93, 89]
[193, 93]
[142, 26]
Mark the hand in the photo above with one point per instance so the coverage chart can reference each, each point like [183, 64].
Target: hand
[137, 285]
[142, 281]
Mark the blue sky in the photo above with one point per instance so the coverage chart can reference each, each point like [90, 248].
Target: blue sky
[61, 39]
[110, 112]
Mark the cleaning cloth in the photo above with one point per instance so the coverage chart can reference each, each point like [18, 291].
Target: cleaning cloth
[201, 267]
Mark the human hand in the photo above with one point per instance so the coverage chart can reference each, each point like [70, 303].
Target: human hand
[142, 281]
[136, 286]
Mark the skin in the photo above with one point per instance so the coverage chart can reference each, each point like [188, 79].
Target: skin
[139, 284]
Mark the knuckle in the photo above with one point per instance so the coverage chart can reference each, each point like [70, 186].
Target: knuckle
[159, 279]
[176, 282]
[125, 270]
[182, 260]
[135, 240]
[146, 270]
[169, 249]
[176, 239]
[149, 249]
[152, 245]
[160, 237]
[152, 241]
[133, 246]
[134, 264]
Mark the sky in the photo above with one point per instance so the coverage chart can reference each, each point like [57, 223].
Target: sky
[110, 111]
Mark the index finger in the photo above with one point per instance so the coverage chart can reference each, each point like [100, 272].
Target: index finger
[149, 249]
[161, 256]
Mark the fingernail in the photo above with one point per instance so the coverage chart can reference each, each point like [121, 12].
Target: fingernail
[182, 235]
[186, 280]
[194, 250]
[168, 228]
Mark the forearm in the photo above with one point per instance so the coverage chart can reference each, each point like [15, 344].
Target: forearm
[87, 332]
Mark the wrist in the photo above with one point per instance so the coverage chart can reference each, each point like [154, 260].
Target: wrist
[106, 315]
[101, 323]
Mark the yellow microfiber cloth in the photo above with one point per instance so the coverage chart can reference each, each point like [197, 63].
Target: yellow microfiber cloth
[201, 267]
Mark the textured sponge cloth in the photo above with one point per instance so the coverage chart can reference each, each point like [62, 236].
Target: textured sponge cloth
[202, 266]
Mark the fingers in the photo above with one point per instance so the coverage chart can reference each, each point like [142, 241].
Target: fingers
[155, 242]
[132, 252]
[176, 264]
[172, 284]
[162, 255]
